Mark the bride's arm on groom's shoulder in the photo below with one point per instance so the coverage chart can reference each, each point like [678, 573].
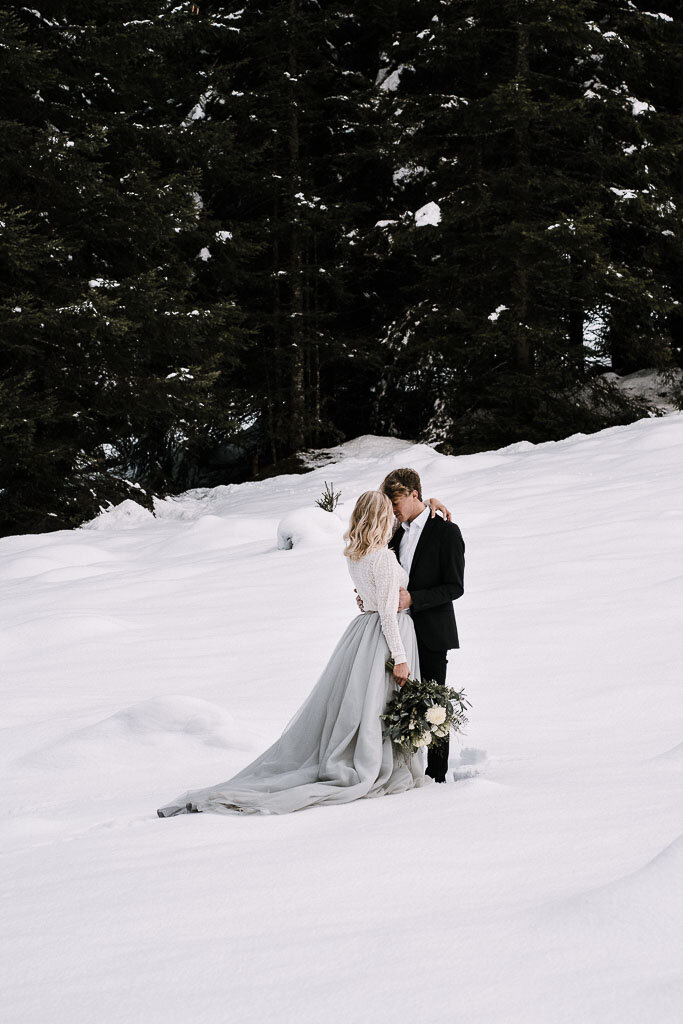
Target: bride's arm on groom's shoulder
[436, 506]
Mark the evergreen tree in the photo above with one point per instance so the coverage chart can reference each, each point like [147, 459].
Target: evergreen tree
[117, 362]
[508, 118]
[640, 142]
[282, 222]
[666, 82]
[293, 80]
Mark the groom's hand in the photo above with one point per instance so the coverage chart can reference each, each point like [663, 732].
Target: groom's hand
[404, 599]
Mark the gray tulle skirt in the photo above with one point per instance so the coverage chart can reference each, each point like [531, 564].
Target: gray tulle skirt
[332, 751]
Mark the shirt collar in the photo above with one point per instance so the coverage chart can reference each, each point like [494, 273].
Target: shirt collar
[418, 522]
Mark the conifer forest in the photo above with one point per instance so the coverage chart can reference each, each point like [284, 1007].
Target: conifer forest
[231, 232]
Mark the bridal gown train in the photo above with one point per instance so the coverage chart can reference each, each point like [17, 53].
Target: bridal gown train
[333, 751]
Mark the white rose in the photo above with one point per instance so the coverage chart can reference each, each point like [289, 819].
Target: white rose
[419, 743]
[436, 716]
[443, 731]
[426, 738]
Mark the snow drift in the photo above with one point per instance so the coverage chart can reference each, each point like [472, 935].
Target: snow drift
[146, 655]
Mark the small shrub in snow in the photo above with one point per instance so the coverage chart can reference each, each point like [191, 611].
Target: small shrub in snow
[329, 499]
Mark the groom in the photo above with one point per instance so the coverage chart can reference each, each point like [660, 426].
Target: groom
[432, 552]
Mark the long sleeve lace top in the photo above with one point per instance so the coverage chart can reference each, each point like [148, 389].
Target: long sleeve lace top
[377, 578]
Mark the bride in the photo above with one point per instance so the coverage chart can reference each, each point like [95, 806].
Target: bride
[333, 751]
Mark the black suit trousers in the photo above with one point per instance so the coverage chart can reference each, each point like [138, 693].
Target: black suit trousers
[433, 666]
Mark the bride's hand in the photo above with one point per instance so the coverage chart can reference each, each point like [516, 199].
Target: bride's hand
[436, 506]
[401, 672]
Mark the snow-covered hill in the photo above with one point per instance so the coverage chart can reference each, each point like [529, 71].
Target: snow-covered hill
[142, 656]
[655, 389]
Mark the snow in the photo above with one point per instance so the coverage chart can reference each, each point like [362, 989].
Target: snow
[103, 282]
[389, 82]
[309, 526]
[430, 214]
[409, 173]
[198, 112]
[144, 655]
[651, 386]
[127, 513]
[624, 193]
[639, 106]
[496, 313]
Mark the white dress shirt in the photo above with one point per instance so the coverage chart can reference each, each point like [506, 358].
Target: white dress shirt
[411, 535]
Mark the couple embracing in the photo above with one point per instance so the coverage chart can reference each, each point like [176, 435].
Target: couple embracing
[407, 565]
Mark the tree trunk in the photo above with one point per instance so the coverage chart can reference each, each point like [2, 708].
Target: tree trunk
[272, 367]
[522, 353]
[623, 349]
[317, 413]
[576, 316]
[297, 429]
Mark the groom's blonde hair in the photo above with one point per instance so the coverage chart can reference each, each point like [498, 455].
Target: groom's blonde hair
[402, 481]
[371, 524]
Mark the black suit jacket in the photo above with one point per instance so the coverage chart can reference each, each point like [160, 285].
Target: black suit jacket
[436, 581]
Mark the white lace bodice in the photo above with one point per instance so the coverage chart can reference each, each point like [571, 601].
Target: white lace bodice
[377, 578]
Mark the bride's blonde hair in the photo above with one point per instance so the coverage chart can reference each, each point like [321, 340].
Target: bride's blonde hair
[371, 524]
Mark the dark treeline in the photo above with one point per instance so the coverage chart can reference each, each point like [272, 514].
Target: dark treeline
[232, 231]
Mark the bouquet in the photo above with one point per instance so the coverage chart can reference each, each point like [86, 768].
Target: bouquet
[423, 712]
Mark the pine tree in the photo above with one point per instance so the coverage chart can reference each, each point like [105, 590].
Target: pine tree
[640, 144]
[124, 370]
[640, 84]
[293, 80]
[508, 118]
[665, 69]
[281, 222]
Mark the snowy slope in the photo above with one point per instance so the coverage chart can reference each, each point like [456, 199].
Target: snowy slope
[143, 656]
